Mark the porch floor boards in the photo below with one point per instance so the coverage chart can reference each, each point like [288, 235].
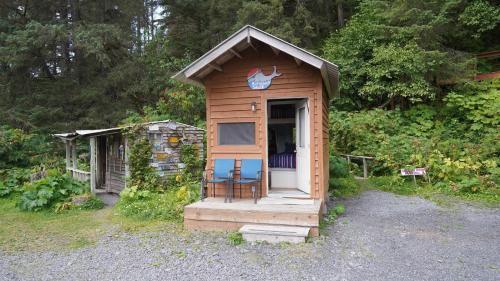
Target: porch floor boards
[288, 193]
[214, 214]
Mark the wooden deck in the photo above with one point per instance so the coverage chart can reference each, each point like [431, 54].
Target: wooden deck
[214, 214]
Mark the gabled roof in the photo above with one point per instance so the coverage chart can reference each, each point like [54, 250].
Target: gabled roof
[241, 40]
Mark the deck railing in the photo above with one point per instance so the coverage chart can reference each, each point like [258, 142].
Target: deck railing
[78, 174]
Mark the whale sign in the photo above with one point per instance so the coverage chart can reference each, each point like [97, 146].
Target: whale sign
[258, 81]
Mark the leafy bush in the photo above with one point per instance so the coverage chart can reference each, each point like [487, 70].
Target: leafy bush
[142, 175]
[48, 191]
[477, 104]
[338, 167]
[13, 181]
[458, 143]
[344, 187]
[92, 203]
[341, 182]
[189, 155]
[19, 149]
[166, 205]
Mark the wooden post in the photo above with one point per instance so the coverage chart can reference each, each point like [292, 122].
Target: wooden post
[365, 168]
[92, 164]
[349, 163]
[125, 151]
[68, 153]
[73, 154]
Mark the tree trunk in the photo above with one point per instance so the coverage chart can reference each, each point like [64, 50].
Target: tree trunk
[340, 13]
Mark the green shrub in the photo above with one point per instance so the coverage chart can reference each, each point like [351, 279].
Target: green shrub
[19, 149]
[339, 209]
[235, 238]
[344, 187]
[167, 205]
[48, 191]
[457, 144]
[12, 181]
[189, 155]
[92, 203]
[338, 167]
[142, 175]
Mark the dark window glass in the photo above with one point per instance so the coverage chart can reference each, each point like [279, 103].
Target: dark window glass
[236, 133]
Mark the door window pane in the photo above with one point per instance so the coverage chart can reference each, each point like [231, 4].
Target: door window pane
[236, 133]
[302, 125]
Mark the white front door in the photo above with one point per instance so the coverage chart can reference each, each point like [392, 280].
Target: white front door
[303, 146]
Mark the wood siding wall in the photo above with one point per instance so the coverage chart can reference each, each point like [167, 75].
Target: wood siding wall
[229, 100]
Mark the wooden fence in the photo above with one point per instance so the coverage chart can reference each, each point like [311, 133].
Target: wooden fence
[365, 162]
[78, 174]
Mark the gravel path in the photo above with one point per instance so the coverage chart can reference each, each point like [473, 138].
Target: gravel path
[382, 236]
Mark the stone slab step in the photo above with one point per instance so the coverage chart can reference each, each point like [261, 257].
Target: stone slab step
[274, 233]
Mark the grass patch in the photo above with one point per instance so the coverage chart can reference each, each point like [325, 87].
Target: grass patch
[395, 185]
[21, 230]
[68, 229]
[345, 187]
[235, 238]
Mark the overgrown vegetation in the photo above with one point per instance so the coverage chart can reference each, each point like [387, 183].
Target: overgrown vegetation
[142, 175]
[456, 142]
[342, 183]
[149, 196]
[398, 53]
[20, 149]
[46, 192]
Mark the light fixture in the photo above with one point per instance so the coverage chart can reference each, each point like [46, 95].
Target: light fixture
[254, 106]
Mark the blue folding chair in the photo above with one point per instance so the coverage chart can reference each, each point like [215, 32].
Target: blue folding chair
[222, 173]
[251, 173]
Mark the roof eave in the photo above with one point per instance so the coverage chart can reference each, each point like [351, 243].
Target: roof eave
[329, 73]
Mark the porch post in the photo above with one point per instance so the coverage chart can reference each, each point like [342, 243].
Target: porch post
[68, 153]
[126, 150]
[365, 168]
[92, 164]
[73, 154]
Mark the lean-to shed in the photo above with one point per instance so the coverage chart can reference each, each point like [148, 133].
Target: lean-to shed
[109, 150]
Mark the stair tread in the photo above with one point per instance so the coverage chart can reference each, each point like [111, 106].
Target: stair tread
[284, 201]
[279, 230]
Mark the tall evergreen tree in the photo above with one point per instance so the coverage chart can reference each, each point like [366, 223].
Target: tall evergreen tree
[65, 64]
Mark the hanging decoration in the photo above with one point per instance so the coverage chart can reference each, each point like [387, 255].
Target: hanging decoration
[258, 81]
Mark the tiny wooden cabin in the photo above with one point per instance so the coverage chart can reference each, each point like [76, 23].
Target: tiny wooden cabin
[109, 149]
[265, 99]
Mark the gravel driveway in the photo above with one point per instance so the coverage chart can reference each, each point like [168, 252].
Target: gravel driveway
[381, 236]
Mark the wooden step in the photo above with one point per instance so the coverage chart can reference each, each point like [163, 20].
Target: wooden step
[274, 233]
[285, 201]
[214, 214]
[288, 193]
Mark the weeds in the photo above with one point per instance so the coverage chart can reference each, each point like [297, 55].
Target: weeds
[235, 238]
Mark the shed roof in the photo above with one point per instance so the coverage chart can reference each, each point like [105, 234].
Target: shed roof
[109, 131]
[241, 40]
